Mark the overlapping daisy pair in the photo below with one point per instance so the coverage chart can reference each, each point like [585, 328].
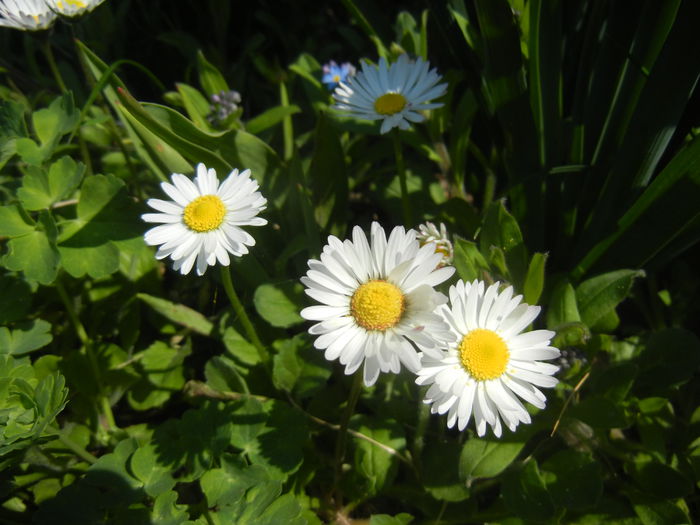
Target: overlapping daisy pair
[378, 307]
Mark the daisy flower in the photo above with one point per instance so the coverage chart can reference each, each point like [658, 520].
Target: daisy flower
[428, 233]
[492, 363]
[334, 74]
[377, 301]
[73, 8]
[27, 15]
[392, 93]
[202, 222]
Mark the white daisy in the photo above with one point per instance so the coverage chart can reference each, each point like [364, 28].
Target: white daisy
[28, 15]
[376, 300]
[73, 8]
[428, 233]
[492, 362]
[394, 94]
[202, 222]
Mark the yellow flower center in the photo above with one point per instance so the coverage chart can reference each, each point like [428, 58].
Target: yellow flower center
[205, 213]
[336, 78]
[377, 305]
[483, 354]
[76, 3]
[390, 103]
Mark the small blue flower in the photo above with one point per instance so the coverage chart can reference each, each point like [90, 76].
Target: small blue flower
[333, 74]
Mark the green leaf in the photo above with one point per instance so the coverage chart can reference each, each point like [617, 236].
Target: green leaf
[563, 307]
[26, 338]
[576, 480]
[14, 221]
[196, 105]
[163, 375]
[178, 313]
[167, 512]
[600, 412]
[30, 152]
[660, 513]
[58, 119]
[525, 495]
[298, 368]
[279, 303]
[248, 418]
[599, 295]
[210, 78]
[12, 123]
[441, 472]
[468, 261]
[375, 466]
[41, 190]
[386, 519]
[145, 467]
[236, 345]
[35, 255]
[501, 230]
[658, 479]
[534, 280]
[486, 458]
[671, 358]
[270, 117]
[17, 298]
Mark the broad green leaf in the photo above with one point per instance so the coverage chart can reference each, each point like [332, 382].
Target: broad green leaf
[298, 368]
[12, 123]
[56, 120]
[375, 466]
[17, 298]
[525, 494]
[236, 345]
[385, 519]
[562, 306]
[210, 78]
[670, 358]
[660, 513]
[221, 374]
[163, 375]
[658, 479]
[196, 105]
[279, 304]
[14, 221]
[534, 280]
[575, 480]
[145, 467]
[468, 261]
[178, 313]
[167, 512]
[25, 338]
[441, 472]
[35, 255]
[599, 295]
[248, 419]
[485, 458]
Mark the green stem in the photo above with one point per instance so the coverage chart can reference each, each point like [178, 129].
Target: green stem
[106, 407]
[48, 52]
[287, 129]
[72, 445]
[401, 169]
[243, 316]
[343, 434]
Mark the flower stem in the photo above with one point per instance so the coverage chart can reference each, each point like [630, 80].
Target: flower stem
[48, 52]
[343, 433]
[401, 169]
[72, 445]
[243, 316]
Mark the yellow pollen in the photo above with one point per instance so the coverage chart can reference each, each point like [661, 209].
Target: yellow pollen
[36, 19]
[483, 354]
[390, 103]
[76, 3]
[377, 305]
[336, 78]
[205, 213]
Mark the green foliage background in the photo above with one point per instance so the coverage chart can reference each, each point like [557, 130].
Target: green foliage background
[565, 161]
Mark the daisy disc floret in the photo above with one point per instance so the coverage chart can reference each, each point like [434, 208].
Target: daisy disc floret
[26, 15]
[377, 301]
[392, 93]
[492, 363]
[202, 223]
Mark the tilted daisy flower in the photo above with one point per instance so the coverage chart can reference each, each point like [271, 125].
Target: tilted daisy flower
[392, 93]
[492, 363]
[377, 301]
[26, 15]
[203, 221]
[73, 8]
[428, 233]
